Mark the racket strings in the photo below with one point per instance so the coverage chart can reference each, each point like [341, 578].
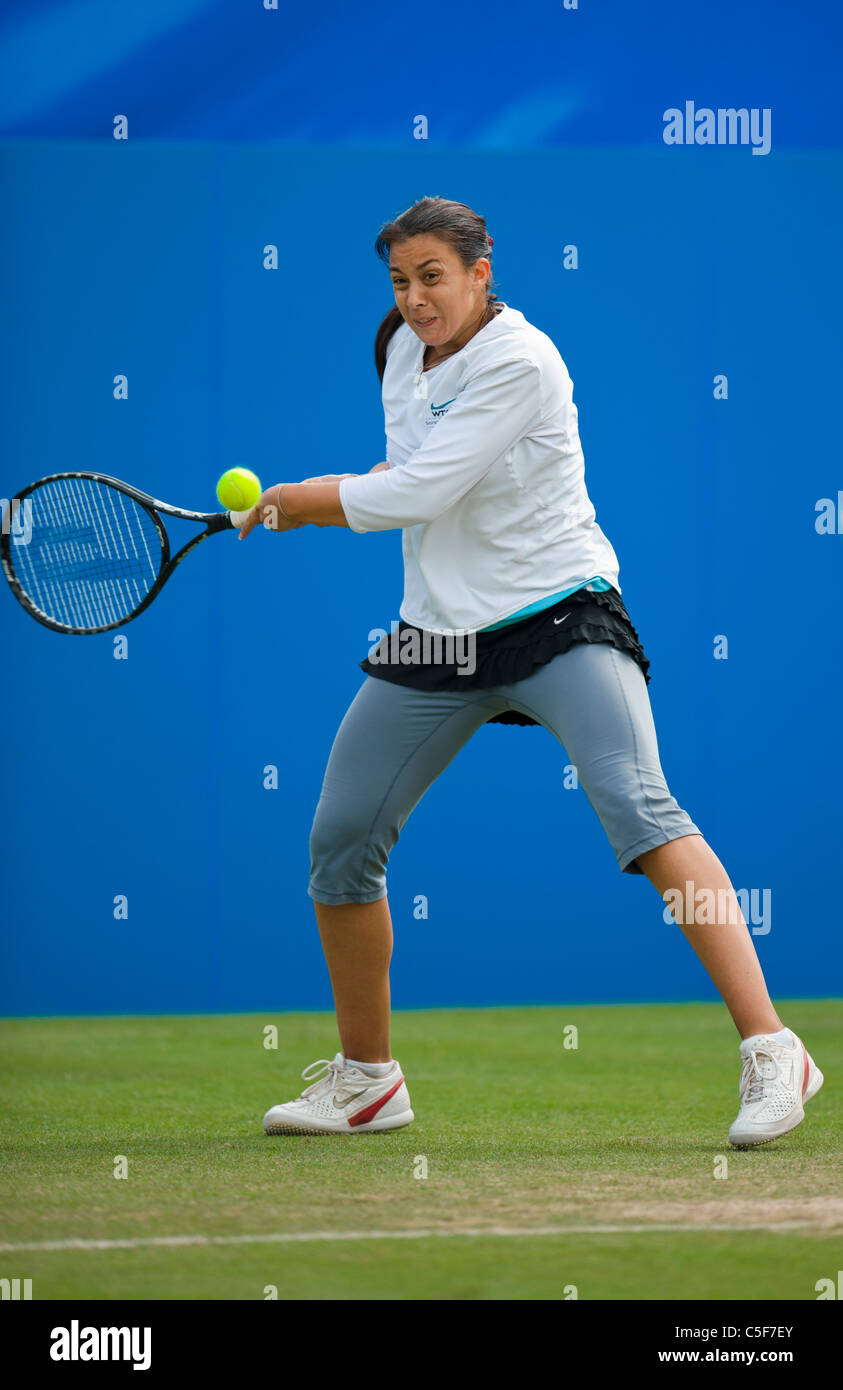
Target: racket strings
[91, 556]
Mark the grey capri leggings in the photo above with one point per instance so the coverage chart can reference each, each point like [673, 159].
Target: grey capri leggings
[395, 740]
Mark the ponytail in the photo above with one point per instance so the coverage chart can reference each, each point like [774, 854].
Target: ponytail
[393, 321]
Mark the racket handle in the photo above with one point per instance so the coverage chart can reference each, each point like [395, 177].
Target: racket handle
[237, 518]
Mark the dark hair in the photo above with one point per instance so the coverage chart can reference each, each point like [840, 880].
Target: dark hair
[463, 229]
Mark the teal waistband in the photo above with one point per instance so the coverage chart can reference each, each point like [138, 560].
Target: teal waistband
[598, 583]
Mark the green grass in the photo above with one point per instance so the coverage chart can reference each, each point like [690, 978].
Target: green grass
[517, 1130]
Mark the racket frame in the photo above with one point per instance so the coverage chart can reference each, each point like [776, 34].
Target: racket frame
[214, 522]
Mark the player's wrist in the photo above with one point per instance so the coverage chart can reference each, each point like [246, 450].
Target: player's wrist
[276, 508]
[279, 502]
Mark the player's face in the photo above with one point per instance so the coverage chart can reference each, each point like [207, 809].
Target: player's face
[438, 296]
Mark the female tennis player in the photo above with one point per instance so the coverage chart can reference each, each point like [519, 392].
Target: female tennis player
[485, 478]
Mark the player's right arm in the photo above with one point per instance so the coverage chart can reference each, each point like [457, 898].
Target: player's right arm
[329, 512]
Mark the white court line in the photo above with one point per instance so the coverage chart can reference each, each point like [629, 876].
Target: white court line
[495, 1232]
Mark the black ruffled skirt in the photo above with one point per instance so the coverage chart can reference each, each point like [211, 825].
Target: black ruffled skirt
[510, 653]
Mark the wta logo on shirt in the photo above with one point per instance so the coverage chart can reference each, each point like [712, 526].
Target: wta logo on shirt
[436, 411]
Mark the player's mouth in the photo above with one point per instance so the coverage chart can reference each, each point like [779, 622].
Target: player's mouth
[425, 323]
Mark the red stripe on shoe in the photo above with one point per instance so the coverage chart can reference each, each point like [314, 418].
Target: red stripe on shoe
[364, 1116]
[807, 1069]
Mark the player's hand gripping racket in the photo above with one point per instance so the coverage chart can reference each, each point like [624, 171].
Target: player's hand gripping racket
[97, 553]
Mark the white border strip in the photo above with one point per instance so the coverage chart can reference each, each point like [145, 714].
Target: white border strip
[481, 1233]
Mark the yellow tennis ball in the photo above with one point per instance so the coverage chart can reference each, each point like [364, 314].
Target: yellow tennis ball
[238, 489]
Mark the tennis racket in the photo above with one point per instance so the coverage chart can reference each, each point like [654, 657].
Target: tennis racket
[85, 553]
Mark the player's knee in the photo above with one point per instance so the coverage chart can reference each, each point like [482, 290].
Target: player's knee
[339, 827]
[348, 855]
[635, 807]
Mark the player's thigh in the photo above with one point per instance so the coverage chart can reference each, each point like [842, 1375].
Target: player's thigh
[392, 744]
[593, 699]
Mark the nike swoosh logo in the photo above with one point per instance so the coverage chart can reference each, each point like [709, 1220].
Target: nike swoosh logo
[444, 403]
[341, 1104]
[368, 1113]
[560, 620]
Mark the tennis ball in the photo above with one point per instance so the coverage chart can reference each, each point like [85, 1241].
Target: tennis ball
[238, 489]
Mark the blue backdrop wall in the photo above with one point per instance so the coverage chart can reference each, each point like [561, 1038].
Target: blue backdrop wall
[144, 778]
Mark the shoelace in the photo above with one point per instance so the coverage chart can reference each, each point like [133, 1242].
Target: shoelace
[756, 1076]
[327, 1079]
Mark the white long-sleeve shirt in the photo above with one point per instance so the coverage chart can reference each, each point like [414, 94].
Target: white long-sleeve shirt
[486, 478]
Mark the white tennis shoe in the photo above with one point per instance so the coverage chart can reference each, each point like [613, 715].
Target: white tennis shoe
[343, 1100]
[777, 1078]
